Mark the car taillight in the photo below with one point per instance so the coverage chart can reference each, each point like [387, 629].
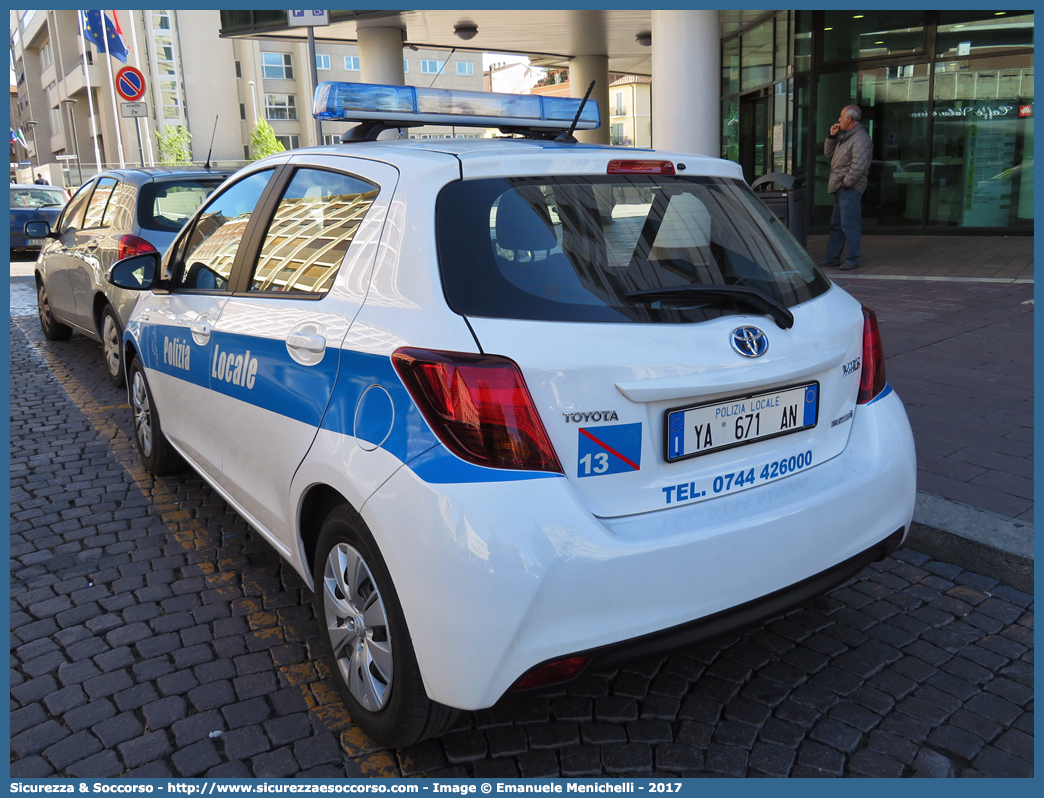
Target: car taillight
[872, 376]
[133, 245]
[479, 407]
[640, 168]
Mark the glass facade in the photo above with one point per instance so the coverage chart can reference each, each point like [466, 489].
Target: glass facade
[946, 97]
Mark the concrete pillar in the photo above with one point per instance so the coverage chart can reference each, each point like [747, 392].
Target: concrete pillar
[380, 54]
[582, 70]
[686, 82]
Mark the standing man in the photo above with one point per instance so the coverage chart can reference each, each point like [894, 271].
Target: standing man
[849, 145]
[41, 180]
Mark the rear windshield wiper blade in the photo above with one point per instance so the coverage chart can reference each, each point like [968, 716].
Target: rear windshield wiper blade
[738, 293]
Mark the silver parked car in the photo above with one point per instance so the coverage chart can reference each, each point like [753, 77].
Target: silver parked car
[113, 216]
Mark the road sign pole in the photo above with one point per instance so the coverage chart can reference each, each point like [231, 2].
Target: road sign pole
[141, 150]
[315, 83]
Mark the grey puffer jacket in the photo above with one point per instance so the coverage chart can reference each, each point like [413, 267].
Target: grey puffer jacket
[850, 164]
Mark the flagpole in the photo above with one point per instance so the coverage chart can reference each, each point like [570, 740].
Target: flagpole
[112, 90]
[137, 63]
[90, 99]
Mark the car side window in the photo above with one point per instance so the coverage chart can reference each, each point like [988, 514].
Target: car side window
[99, 201]
[311, 231]
[211, 247]
[119, 213]
[70, 219]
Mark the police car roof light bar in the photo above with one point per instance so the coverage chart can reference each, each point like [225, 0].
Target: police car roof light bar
[410, 106]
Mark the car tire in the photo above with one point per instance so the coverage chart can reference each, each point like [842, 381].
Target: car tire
[111, 333]
[375, 669]
[53, 329]
[157, 455]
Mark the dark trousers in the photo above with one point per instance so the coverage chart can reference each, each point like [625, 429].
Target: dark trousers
[846, 224]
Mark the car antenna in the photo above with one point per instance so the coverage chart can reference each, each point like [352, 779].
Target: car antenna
[442, 67]
[567, 136]
[207, 164]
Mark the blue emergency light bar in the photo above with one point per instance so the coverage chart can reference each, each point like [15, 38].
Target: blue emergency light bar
[409, 106]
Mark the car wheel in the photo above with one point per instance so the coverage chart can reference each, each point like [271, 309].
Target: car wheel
[53, 329]
[157, 455]
[112, 343]
[365, 639]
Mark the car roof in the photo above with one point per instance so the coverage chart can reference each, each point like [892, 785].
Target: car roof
[35, 185]
[149, 173]
[476, 150]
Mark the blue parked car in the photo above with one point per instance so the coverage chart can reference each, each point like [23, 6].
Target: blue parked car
[33, 204]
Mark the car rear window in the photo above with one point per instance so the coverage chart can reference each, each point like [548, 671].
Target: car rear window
[37, 198]
[165, 205]
[573, 248]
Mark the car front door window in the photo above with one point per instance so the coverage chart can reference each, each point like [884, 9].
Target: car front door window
[211, 248]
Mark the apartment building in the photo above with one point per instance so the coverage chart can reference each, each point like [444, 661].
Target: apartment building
[630, 111]
[215, 88]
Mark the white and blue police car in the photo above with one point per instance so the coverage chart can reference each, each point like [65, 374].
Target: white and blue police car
[517, 409]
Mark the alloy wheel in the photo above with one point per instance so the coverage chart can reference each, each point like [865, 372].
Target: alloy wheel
[357, 624]
[142, 413]
[111, 344]
[45, 309]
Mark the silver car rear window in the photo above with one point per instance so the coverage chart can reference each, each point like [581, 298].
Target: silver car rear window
[165, 205]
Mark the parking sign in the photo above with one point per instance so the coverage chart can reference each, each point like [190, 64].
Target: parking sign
[305, 19]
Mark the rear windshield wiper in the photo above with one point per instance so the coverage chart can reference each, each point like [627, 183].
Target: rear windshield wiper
[736, 293]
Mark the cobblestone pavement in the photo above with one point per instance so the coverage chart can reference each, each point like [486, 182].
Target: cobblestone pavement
[154, 635]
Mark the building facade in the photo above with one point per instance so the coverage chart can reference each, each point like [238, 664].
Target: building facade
[946, 96]
[630, 111]
[214, 87]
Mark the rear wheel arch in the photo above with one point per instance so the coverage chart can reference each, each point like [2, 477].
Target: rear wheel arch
[317, 503]
[100, 301]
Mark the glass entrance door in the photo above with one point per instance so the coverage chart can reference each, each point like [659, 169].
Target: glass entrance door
[755, 136]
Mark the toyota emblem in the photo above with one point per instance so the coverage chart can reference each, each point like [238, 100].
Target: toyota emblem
[749, 341]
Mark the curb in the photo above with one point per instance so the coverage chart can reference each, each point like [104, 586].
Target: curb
[978, 540]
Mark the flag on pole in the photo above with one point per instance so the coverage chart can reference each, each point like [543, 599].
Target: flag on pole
[100, 31]
[21, 140]
[119, 30]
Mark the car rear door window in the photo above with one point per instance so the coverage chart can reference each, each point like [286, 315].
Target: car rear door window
[312, 228]
[165, 205]
[70, 218]
[211, 248]
[95, 216]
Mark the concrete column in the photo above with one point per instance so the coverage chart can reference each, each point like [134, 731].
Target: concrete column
[686, 82]
[380, 54]
[582, 70]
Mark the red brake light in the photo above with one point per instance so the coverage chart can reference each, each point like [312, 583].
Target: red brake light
[640, 168]
[553, 672]
[133, 245]
[872, 376]
[479, 407]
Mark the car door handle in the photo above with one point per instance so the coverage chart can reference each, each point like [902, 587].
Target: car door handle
[92, 244]
[315, 344]
[201, 328]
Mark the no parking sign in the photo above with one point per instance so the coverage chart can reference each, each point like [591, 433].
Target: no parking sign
[130, 84]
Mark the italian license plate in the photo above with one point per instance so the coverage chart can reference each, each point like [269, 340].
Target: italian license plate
[701, 429]
[34, 242]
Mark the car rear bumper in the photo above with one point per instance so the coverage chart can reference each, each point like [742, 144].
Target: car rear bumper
[658, 644]
[18, 241]
[497, 577]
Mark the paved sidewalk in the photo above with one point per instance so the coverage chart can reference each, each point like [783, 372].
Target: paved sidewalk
[960, 356]
[1002, 258]
[154, 635]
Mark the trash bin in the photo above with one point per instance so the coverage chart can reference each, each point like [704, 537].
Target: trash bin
[789, 204]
